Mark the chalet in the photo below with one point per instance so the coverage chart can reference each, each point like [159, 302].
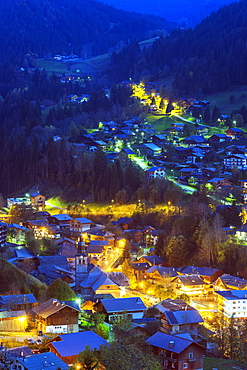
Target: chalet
[126, 153]
[115, 309]
[95, 251]
[218, 138]
[152, 236]
[17, 302]
[126, 223]
[179, 322]
[191, 285]
[159, 140]
[208, 274]
[97, 233]
[80, 224]
[155, 172]
[239, 160]
[62, 220]
[195, 140]
[41, 229]
[16, 233]
[12, 321]
[54, 267]
[45, 360]
[218, 182]
[150, 150]
[234, 132]
[37, 200]
[134, 236]
[229, 282]
[54, 316]
[164, 275]
[3, 234]
[67, 248]
[68, 346]
[152, 260]
[177, 352]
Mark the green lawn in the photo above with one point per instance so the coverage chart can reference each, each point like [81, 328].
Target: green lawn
[209, 363]
[160, 123]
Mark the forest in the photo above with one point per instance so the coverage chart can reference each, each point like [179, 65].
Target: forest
[33, 28]
[209, 58]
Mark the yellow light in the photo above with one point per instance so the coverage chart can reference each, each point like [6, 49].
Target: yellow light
[78, 367]
[22, 319]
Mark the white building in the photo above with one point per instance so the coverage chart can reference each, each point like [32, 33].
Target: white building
[233, 303]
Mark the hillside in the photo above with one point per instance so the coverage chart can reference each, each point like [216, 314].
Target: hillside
[15, 281]
[209, 58]
[186, 12]
[52, 26]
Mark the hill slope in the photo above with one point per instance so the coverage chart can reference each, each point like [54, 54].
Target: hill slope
[48, 26]
[210, 58]
[191, 12]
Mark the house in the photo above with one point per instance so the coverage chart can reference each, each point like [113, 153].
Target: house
[3, 234]
[182, 321]
[238, 160]
[54, 267]
[17, 302]
[37, 200]
[41, 229]
[67, 248]
[12, 321]
[177, 352]
[80, 224]
[218, 182]
[116, 308]
[62, 220]
[68, 346]
[233, 303]
[54, 316]
[234, 132]
[191, 285]
[208, 274]
[152, 260]
[155, 172]
[126, 223]
[150, 150]
[241, 233]
[164, 275]
[218, 138]
[229, 282]
[134, 236]
[159, 140]
[16, 233]
[195, 140]
[45, 360]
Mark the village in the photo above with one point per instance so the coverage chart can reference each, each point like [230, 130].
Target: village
[113, 270]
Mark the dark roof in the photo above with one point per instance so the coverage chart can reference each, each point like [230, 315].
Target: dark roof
[52, 306]
[169, 342]
[233, 281]
[17, 299]
[183, 317]
[203, 271]
[191, 280]
[74, 343]
[123, 304]
[97, 249]
[46, 360]
[154, 260]
[233, 294]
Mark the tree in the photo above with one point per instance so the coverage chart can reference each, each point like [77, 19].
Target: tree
[123, 357]
[102, 330]
[176, 251]
[88, 360]
[60, 290]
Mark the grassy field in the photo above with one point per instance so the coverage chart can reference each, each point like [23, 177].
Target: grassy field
[220, 364]
[86, 66]
[221, 99]
[160, 123]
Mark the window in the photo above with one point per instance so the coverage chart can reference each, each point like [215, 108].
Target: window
[191, 356]
[185, 365]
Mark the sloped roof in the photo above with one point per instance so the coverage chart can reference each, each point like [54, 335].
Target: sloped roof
[169, 342]
[97, 249]
[163, 271]
[83, 220]
[12, 314]
[204, 271]
[232, 281]
[191, 280]
[122, 304]
[17, 299]
[46, 360]
[62, 217]
[74, 343]
[50, 307]
[233, 294]
[183, 317]
[154, 259]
